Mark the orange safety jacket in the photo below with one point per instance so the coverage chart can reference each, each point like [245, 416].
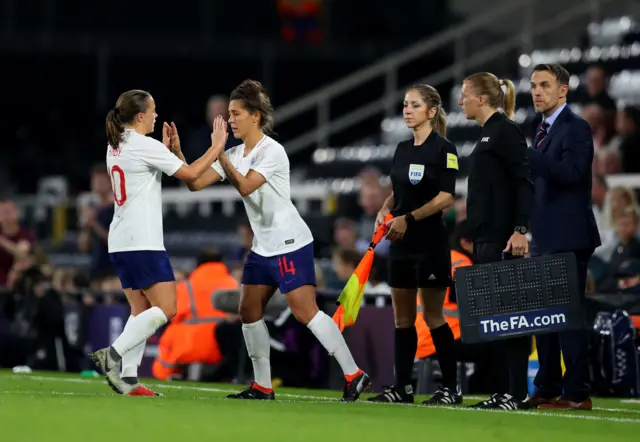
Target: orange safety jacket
[425, 341]
[190, 336]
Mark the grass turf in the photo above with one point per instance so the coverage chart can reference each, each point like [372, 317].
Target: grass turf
[51, 407]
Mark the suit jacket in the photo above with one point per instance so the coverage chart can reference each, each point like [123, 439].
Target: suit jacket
[562, 215]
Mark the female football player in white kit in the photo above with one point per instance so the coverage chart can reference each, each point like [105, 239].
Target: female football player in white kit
[136, 246]
[282, 252]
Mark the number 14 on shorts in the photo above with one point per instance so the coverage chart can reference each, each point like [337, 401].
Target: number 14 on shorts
[286, 266]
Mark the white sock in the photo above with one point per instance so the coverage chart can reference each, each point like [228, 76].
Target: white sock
[139, 330]
[132, 359]
[256, 338]
[328, 333]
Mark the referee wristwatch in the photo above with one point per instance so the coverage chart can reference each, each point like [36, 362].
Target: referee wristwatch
[409, 218]
[521, 229]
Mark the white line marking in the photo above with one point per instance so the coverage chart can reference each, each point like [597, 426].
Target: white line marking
[325, 400]
[630, 401]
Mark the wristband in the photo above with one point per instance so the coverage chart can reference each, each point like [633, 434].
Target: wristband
[409, 218]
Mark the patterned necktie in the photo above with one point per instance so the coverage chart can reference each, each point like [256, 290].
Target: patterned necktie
[541, 134]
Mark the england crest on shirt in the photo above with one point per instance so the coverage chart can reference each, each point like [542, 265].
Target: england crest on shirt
[416, 171]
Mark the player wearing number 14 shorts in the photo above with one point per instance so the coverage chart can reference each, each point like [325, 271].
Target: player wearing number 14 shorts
[136, 247]
[282, 253]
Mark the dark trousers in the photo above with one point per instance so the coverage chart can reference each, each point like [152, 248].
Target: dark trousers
[510, 356]
[575, 351]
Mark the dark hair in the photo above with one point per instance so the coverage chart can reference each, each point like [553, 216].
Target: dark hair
[432, 98]
[560, 73]
[255, 99]
[349, 256]
[488, 85]
[129, 104]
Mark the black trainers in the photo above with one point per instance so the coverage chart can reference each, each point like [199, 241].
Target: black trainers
[352, 389]
[253, 393]
[445, 396]
[489, 404]
[392, 395]
[508, 402]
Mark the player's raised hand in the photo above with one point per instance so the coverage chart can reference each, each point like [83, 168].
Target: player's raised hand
[175, 139]
[166, 135]
[220, 134]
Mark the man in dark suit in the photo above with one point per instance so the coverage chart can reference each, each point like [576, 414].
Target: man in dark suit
[561, 221]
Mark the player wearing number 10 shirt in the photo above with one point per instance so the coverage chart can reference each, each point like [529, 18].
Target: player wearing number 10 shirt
[136, 246]
[282, 252]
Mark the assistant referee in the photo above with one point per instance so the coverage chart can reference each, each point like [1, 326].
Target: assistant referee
[499, 199]
[423, 176]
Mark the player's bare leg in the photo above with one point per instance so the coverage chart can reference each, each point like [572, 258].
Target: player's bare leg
[253, 299]
[162, 297]
[302, 302]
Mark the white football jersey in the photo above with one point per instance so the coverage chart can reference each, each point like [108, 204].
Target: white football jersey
[136, 169]
[277, 226]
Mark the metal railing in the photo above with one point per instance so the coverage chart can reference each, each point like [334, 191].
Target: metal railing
[388, 67]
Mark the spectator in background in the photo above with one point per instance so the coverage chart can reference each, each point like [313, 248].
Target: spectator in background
[628, 127]
[200, 139]
[344, 263]
[596, 88]
[602, 128]
[377, 284]
[599, 197]
[36, 318]
[15, 241]
[629, 276]
[371, 196]
[627, 247]
[620, 199]
[607, 162]
[345, 235]
[95, 221]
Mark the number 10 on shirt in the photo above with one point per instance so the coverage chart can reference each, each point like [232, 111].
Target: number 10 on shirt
[118, 185]
[286, 266]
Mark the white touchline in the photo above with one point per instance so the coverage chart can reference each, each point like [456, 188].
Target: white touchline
[321, 399]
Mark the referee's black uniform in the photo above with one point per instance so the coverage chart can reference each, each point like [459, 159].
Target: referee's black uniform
[422, 258]
[499, 198]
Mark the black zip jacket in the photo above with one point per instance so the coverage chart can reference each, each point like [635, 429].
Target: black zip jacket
[499, 188]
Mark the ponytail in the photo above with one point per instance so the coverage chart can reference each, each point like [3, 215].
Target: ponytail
[439, 121]
[129, 104]
[115, 128]
[509, 104]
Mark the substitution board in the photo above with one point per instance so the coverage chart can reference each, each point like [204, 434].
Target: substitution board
[519, 297]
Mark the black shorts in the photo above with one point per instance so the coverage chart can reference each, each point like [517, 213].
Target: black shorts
[430, 270]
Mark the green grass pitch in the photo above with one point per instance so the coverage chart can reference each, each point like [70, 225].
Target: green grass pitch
[53, 407]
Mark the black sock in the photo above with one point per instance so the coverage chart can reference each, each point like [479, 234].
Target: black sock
[444, 343]
[518, 350]
[405, 352]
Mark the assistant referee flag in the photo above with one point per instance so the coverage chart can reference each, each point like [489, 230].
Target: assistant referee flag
[350, 299]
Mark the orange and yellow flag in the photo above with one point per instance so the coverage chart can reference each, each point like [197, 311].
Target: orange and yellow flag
[350, 299]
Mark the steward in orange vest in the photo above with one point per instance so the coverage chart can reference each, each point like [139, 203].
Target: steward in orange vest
[190, 337]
